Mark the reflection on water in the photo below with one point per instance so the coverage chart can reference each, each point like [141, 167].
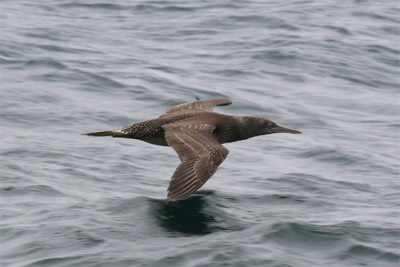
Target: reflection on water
[188, 216]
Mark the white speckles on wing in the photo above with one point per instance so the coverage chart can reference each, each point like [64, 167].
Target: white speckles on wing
[200, 153]
[140, 129]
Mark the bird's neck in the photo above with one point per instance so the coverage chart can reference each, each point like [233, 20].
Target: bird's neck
[248, 126]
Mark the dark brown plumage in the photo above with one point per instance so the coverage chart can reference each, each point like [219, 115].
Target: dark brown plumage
[196, 133]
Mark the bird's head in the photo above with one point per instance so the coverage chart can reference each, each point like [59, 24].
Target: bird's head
[270, 127]
[254, 126]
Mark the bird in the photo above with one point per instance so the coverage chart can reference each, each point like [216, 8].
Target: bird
[196, 133]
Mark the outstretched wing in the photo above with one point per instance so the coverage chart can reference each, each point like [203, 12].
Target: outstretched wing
[200, 153]
[201, 105]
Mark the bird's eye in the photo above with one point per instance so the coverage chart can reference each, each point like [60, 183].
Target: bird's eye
[270, 125]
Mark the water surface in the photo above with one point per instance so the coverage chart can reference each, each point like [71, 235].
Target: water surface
[329, 197]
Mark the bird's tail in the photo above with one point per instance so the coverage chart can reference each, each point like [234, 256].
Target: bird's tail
[103, 133]
[113, 133]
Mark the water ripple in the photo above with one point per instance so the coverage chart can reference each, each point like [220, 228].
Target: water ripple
[328, 197]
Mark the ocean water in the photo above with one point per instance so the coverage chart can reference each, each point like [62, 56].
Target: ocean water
[328, 197]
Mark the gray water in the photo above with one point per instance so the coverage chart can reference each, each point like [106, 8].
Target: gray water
[328, 197]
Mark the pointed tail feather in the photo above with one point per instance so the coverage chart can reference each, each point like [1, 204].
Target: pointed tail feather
[107, 133]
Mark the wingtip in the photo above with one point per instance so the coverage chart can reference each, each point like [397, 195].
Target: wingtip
[174, 197]
[170, 200]
[224, 101]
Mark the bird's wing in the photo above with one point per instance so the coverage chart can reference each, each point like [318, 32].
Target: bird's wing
[200, 154]
[200, 105]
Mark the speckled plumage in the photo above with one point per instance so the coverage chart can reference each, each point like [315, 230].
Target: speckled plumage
[196, 133]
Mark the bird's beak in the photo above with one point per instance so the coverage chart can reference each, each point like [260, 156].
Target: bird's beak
[283, 129]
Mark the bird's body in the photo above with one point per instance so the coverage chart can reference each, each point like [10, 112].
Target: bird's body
[196, 134]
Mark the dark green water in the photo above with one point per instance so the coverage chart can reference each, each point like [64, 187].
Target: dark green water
[329, 197]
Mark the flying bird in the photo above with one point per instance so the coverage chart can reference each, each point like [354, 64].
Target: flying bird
[196, 133]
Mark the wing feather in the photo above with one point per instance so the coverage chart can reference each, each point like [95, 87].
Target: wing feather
[200, 154]
[201, 105]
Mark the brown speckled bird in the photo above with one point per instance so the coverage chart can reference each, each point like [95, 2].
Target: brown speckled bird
[196, 133]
